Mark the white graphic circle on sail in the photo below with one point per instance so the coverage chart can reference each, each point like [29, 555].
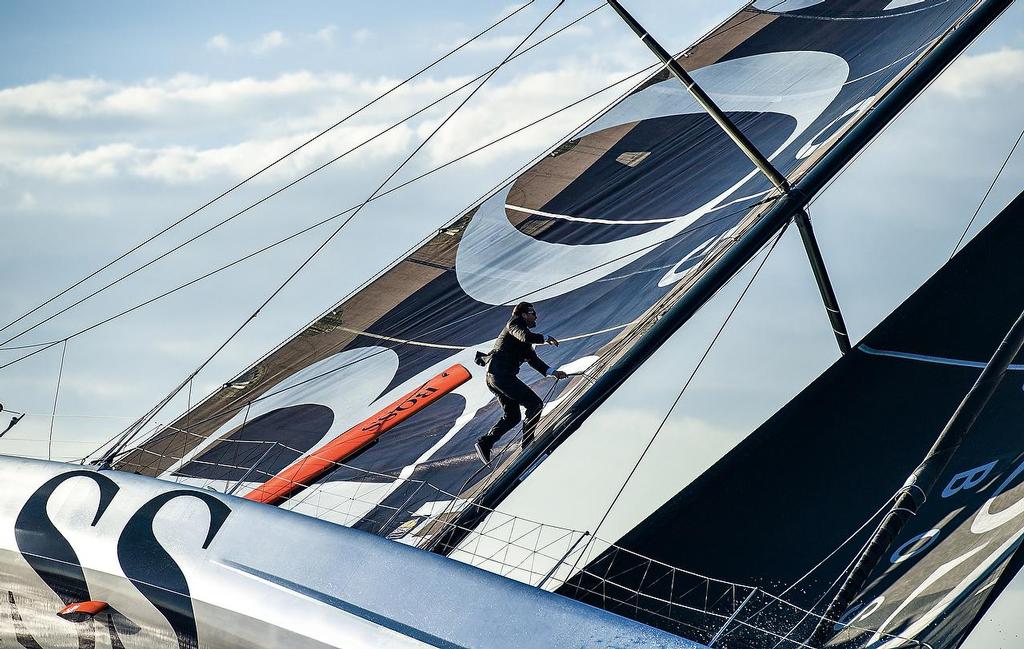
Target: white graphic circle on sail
[498, 264]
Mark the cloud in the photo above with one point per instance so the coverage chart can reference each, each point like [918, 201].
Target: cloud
[508, 9]
[56, 98]
[982, 74]
[500, 43]
[361, 36]
[269, 41]
[326, 35]
[176, 164]
[82, 98]
[265, 43]
[506, 43]
[499, 109]
[26, 202]
[220, 42]
[104, 161]
[187, 128]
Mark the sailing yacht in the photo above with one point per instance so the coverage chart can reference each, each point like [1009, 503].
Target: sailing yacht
[329, 494]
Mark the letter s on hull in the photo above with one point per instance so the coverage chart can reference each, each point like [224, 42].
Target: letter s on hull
[45, 549]
[154, 572]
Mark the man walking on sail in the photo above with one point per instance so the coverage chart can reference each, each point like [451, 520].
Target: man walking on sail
[514, 347]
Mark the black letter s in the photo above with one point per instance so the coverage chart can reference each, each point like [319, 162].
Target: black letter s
[154, 572]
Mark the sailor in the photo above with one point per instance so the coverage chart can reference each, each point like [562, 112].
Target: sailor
[514, 347]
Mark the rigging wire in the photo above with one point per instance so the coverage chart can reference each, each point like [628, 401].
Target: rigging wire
[686, 384]
[56, 395]
[987, 192]
[333, 217]
[296, 181]
[146, 418]
[267, 167]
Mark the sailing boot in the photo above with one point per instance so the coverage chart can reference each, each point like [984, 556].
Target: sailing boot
[483, 449]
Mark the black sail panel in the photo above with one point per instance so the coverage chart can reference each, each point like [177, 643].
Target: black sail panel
[793, 491]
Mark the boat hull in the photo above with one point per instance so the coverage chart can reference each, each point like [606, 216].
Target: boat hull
[185, 567]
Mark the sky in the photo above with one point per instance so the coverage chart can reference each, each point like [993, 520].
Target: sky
[115, 123]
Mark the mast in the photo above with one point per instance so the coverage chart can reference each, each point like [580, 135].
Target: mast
[919, 485]
[945, 50]
[706, 102]
[828, 294]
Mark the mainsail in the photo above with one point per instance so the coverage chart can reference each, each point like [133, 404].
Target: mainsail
[616, 222]
[807, 480]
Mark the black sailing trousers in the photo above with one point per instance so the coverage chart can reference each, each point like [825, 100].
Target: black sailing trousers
[513, 394]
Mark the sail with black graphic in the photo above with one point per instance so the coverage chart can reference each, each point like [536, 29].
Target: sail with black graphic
[604, 234]
[791, 506]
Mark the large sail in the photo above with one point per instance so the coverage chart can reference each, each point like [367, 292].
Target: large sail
[803, 484]
[599, 234]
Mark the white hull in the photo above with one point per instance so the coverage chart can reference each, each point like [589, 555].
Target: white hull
[266, 577]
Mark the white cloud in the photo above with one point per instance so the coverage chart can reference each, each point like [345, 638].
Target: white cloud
[187, 128]
[508, 9]
[265, 43]
[176, 164]
[508, 42]
[220, 42]
[104, 161]
[326, 35]
[81, 98]
[976, 76]
[361, 36]
[500, 43]
[55, 98]
[26, 202]
[269, 41]
[502, 108]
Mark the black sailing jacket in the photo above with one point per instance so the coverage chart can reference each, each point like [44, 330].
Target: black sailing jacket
[514, 347]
